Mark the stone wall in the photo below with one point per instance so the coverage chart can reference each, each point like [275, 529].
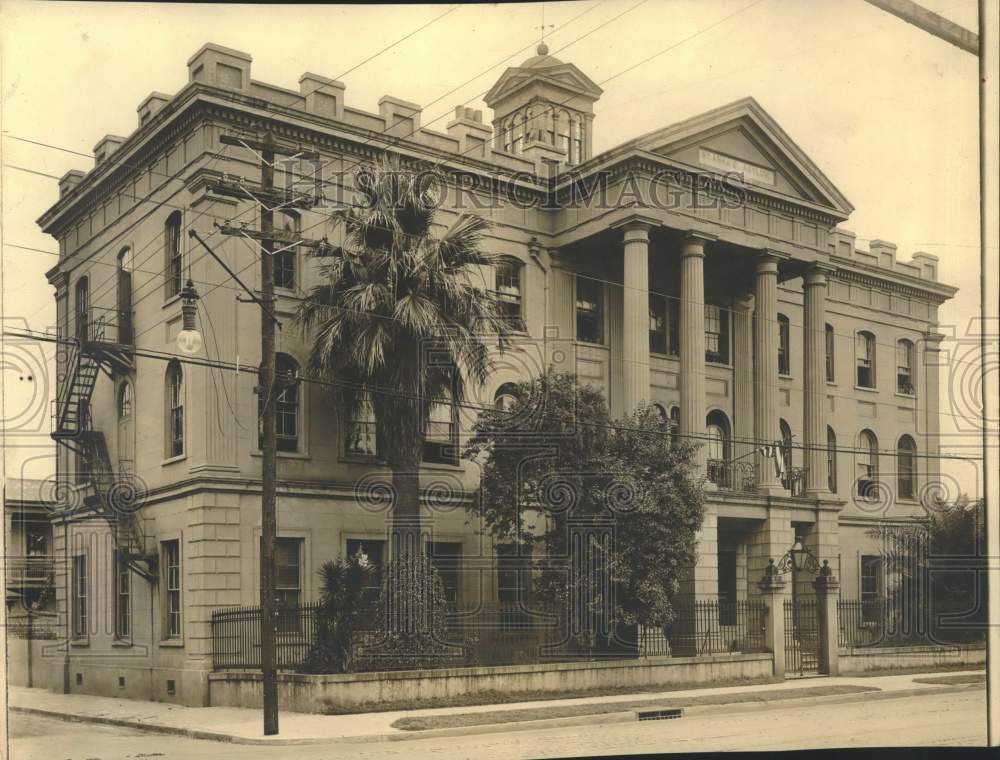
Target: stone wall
[863, 659]
[321, 693]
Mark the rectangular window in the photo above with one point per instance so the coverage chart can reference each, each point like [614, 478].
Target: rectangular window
[441, 439]
[657, 324]
[123, 597]
[716, 334]
[446, 558]
[508, 293]
[36, 539]
[589, 310]
[175, 268]
[172, 588]
[865, 360]
[784, 348]
[288, 571]
[904, 367]
[829, 354]
[80, 608]
[285, 258]
[870, 587]
[359, 438]
[176, 413]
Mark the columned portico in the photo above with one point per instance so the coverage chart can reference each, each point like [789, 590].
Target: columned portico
[692, 343]
[814, 350]
[765, 367]
[635, 313]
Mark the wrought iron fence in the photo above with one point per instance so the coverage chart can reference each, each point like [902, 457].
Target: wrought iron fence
[236, 637]
[708, 627]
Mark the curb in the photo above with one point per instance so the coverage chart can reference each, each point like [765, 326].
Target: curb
[398, 735]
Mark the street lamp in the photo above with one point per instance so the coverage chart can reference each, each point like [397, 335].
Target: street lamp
[189, 339]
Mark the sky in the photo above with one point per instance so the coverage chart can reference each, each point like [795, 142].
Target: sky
[887, 111]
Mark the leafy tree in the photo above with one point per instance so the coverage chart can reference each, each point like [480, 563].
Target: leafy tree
[556, 467]
[396, 315]
[922, 594]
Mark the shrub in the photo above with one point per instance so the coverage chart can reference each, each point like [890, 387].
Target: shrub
[411, 629]
[344, 610]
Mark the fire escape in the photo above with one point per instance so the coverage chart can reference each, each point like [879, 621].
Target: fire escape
[101, 345]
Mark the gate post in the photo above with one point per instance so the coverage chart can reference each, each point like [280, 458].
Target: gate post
[827, 587]
[772, 590]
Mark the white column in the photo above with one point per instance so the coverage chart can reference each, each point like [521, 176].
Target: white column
[765, 367]
[743, 422]
[692, 348]
[635, 316]
[814, 358]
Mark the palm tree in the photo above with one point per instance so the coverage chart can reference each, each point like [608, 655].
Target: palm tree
[399, 321]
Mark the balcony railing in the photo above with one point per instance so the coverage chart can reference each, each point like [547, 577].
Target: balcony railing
[733, 476]
[29, 571]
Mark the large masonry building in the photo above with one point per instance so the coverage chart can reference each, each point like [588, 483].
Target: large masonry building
[711, 278]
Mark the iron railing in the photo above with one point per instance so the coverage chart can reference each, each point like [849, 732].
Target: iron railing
[506, 633]
[737, 476]
[236, 637]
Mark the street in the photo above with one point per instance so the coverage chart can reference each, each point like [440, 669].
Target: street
[942, 720]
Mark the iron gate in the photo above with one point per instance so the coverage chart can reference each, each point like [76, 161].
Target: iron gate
[801, 637]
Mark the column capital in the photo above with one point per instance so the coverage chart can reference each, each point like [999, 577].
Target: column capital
[744, 303]
[693, 243]
[636, 223]
[698, 235]
[771, 255]
[817, 274]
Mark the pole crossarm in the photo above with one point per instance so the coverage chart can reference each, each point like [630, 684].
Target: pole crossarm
[287, 237]
[931, 22]
[273, 199]
[264, 307]
[268, 144]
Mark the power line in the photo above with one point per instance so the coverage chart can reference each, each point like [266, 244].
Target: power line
[379, 390]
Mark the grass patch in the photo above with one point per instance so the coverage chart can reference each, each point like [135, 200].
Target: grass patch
[504, 697]
[954, 680]
[426, 722]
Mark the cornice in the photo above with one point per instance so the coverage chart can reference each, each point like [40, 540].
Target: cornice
[936, 292]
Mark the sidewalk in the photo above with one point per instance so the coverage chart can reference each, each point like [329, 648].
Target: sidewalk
[240, 725]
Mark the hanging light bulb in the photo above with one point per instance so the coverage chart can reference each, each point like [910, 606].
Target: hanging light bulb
[189, 339]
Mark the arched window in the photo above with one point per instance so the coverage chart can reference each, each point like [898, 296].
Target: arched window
[831, 460]
[829, 354]
[784, 350]
[286, 259]
[175, 409]
[505, 399]
[173, 268]
[867, 465]
[286, 406]
[125, 400]
[786, 447]
[508, 292]
[717, 447]
[906, 467]
[904, 367]
[865, 359]
[81, 299]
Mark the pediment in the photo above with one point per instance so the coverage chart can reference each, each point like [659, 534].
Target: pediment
[742, 138]
[565, 76]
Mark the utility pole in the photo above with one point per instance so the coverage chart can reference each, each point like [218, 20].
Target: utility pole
[268, 388]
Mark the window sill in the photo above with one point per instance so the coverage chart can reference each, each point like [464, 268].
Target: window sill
[361, 459]
[121, 644]
[171, 300]
[865, 388]
[831, 383]
[658, 355]
[442, 466]
[721, 365]
[283, 454]
[79, 642]
[171, 460]
[785, 376]
[910, 396]
[172, 643]
[588, 343]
